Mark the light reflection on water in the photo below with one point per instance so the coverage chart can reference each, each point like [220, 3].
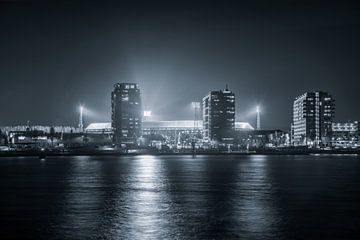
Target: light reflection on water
[181, 197]
[259, 216]
[147, 200]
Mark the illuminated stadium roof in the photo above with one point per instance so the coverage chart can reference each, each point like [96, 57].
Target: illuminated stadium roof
[180, 124]
[99, 127]
[188, 124]
[243, 126]
[164, 125]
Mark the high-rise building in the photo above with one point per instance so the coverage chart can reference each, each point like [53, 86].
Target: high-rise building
[219, 117]
[313, 113]
[126, 113]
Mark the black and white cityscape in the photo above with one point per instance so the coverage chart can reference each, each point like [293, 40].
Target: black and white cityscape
[180, 119]
[213, 129]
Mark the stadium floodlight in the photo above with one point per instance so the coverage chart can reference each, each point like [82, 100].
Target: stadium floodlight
[195, 105]
[258, 126]
[81, 125]
[147, 113]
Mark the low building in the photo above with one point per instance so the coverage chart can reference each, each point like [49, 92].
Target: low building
[345, 135]
[98, 134]
[40, 136]
[177, 134]
[180, 133]
[261, 139]
[3, 138]
[29, 139]
[45, 129]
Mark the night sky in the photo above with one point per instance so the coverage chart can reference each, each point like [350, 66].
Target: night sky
[54, 56]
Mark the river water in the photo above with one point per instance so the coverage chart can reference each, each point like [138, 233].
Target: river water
[180, 197]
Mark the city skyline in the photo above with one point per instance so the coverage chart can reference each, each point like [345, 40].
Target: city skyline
[181, 119]
[80, 109]
[57, 56]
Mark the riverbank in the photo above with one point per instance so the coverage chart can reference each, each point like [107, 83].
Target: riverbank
[145, 152]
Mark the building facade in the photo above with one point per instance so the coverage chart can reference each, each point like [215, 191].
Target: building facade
[313, 114]
[219, 117]
[126, 114]
[346, 135]
[261, 139]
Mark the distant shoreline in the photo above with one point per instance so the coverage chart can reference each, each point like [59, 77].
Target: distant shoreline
[120, 153]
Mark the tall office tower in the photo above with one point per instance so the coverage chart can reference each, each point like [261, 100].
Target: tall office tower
[126, 113]
[313, 113]
[219, 117]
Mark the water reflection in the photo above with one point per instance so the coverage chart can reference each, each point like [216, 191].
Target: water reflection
[257, 210]
[81, 198]
[180, 197]
[147, 201]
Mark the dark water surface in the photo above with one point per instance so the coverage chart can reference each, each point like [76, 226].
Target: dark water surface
[180, 197]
